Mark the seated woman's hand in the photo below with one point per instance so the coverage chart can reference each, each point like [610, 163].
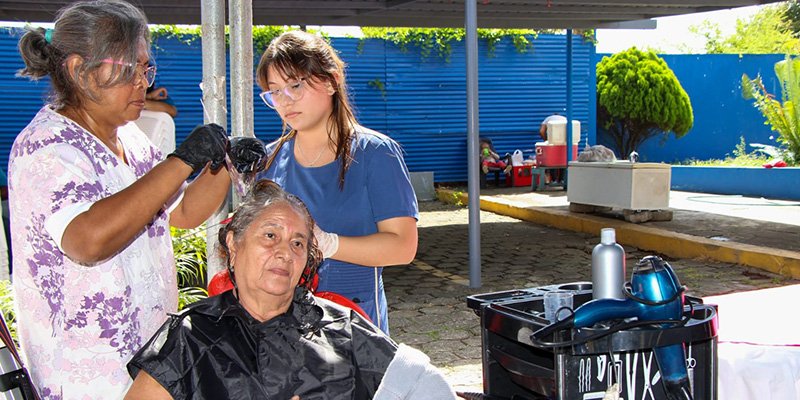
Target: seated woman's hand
[206, 143]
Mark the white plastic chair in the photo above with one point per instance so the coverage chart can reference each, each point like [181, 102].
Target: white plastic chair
[160, 128]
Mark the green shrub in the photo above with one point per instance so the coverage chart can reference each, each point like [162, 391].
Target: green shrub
[638, 97]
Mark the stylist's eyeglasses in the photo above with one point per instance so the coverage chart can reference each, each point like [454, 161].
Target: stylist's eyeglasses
[148, 73]
[292, 91]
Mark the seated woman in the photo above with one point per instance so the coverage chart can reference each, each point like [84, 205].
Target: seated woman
[269, 338]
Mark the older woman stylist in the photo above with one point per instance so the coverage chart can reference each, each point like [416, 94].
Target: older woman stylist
[91, 203]
[269, 338]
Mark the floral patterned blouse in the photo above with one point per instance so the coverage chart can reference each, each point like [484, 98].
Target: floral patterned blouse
[79, 325]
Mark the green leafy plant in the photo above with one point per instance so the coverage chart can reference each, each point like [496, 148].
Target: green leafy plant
[439, 40]
[768, 31]
[263, 35]
[588, 35]
[189, 247]
[783, 118]
[791, 15]
[7, 308]
[457, 198]
[186, 34]
[638, 97]
[379, 85]
[189, 35]
[521, 38]
[426, 39]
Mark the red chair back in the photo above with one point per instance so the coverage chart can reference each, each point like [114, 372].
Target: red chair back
[221, 282]
[343, 301]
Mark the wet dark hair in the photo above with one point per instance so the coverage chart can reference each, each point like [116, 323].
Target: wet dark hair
[93, 30]
[297, 55]
[265, 194]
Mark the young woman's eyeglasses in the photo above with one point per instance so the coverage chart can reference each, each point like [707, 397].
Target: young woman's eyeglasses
[148, 73]
[292, 91]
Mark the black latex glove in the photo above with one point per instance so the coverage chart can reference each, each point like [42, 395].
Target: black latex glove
[247, 154]
[206, 143]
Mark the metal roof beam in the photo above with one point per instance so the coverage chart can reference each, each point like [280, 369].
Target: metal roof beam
[536, 10]
[398, 3]
[640, 24]
[315, 5]
[533, 14]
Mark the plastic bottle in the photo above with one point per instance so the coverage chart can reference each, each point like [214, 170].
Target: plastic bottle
[608, 267]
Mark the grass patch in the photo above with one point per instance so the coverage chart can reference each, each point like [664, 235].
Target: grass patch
[434, 335]
[739, 158]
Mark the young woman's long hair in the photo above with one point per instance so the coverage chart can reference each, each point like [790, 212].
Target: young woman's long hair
[297, 55]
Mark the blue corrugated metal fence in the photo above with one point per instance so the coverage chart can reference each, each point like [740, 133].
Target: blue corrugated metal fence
[420, 102]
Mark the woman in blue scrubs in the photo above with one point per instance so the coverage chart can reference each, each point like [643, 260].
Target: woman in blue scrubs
[353, 179]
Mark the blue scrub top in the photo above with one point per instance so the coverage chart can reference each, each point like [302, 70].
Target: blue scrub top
[376, 187]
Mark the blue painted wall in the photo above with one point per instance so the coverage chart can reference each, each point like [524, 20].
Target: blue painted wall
[422, 106]
[772, 183]
[721, 114]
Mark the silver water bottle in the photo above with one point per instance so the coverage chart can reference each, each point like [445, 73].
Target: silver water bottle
[608, 267]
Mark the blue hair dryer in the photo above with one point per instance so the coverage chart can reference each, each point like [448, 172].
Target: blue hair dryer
[656, 295]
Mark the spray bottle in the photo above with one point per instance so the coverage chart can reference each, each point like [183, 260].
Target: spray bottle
[608, 267]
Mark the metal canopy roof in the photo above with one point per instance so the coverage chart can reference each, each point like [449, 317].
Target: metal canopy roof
[541, 14]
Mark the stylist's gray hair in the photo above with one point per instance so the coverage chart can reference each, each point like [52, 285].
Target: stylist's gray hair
[93, 30]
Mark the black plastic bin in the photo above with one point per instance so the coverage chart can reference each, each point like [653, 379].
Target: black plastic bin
[517, 368]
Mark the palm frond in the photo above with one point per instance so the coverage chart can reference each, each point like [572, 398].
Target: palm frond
[783, 118]
[189, 246]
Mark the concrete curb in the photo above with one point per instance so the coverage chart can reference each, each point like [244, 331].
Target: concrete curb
[673, 244]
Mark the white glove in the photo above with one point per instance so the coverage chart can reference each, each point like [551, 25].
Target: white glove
[328, 243]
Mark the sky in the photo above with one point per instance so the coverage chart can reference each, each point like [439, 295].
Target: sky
[671, 32]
